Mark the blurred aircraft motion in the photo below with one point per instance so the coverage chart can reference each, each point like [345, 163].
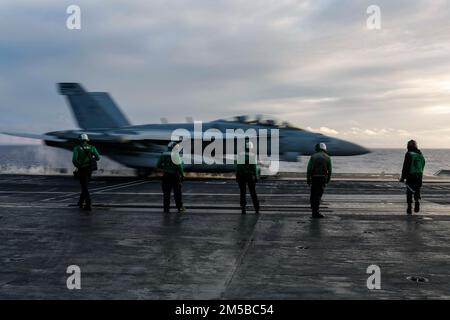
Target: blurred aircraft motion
[139, 146]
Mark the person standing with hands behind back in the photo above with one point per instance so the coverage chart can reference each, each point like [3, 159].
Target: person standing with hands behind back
[247, 173]
[85, 157]
[318, 176]
[412, 172]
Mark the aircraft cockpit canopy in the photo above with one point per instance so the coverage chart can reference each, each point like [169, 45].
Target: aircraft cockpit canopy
[263, 120]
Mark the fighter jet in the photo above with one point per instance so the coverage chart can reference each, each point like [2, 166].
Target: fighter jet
[139, 146]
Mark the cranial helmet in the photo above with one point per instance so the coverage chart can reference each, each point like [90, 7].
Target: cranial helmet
[171, 145]
[320, 146]
[84, 137]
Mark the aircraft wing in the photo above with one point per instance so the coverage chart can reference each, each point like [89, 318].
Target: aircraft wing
[34, 136]
[96, 136]
[153, 135]
[116, 137]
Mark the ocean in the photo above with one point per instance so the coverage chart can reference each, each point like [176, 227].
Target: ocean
[41, 159]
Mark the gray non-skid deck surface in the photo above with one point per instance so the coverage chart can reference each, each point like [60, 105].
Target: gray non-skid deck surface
[127, 248]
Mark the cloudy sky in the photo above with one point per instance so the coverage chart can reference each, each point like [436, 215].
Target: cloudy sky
[314, 63]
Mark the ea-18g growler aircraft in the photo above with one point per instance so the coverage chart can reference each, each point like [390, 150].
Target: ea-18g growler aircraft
[139, 146]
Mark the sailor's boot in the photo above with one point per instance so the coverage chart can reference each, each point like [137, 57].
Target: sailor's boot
[409, 209]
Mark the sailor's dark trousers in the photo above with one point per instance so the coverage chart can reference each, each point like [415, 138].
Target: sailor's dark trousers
[171, 181]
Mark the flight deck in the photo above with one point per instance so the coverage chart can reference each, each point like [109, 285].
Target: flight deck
[127, 248]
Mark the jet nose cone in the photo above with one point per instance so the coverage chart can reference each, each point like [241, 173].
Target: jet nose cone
[354, 149]
[362, 150]
[345, 148]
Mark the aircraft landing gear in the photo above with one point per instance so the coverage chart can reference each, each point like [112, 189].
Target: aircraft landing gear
[143, 172]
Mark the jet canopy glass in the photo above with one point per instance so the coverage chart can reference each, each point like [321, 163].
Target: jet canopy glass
[260, 119]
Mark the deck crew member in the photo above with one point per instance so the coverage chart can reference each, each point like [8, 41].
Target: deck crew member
[318, 176]
[412, 172]
[173, 174]
[247, 174]
[84, 158]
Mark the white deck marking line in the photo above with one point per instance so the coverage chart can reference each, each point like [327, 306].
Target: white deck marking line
[204, 194]
[337, 197]
[40, 192]
[113, 187]
[271, 209]
[119, 187]
[94, 190]
[259, 193]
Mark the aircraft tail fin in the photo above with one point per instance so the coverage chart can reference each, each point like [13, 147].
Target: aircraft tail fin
[92, 110]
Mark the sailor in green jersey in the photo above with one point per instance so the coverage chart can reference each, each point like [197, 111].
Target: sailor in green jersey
[412, 172]
[84, 155]
[247, 173]
[318, 176]
[173, 174]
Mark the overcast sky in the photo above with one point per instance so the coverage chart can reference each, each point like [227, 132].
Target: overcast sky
[313, 63]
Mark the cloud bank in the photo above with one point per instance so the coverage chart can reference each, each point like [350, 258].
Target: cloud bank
[313, 63]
